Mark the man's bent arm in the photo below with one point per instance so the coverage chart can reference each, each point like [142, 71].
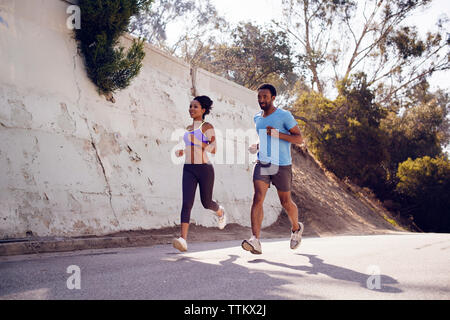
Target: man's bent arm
[295, 137]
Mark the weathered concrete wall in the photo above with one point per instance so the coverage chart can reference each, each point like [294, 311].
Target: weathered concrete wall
[72, 163]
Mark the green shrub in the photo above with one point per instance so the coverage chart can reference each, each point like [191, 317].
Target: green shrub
[425, 185]
[102, 24]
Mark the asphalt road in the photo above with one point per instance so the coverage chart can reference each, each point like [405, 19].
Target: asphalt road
[398, 266]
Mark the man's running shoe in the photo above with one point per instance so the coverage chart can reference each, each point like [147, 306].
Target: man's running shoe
[253, 245]
[296, 237]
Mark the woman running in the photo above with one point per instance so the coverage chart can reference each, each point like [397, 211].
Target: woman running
[199, 139]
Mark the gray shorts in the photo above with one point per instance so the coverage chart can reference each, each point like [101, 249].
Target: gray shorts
[280, 176]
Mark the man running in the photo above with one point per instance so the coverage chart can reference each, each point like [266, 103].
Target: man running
[277, 129]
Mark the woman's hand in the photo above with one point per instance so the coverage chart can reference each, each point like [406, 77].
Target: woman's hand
[179, 153]
[253, 149]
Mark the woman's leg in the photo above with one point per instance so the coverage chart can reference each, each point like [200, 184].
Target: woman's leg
[206, 181]
[189, 187]
[184, 230]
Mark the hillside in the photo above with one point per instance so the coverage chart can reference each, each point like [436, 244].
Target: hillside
[330, 206]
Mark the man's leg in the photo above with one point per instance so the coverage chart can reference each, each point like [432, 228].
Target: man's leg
[283, 182]
[257, 213]
[292, 211]
[290, 207]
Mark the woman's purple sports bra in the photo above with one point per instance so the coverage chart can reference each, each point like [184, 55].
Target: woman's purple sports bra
[197, 134]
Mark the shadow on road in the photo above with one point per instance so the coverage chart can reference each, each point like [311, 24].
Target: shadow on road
[146, 274]
[228, 280]
[155, 273]
[337, 272]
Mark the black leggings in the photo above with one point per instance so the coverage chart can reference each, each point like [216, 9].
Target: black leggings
[193, 174]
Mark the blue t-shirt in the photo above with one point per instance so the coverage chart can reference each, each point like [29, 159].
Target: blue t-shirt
[274, 150]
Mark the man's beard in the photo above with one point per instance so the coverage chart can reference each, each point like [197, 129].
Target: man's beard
[265, 106]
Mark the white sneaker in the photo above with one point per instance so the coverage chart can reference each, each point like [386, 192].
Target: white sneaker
[222, 221]
[180, 244]
[253, 245]
[296, 237]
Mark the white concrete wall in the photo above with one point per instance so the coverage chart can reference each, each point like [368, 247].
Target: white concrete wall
[72, 163]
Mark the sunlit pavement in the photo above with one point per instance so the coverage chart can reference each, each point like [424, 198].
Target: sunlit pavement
[398, 266]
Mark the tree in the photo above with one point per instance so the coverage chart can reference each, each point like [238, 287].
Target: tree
[420, 129]
[373, 38]
[151, 24]
[425, 185]
[197, 18]
[309, 23]
[110, 67]
[254, 56]
[247, 54]
[345, 133]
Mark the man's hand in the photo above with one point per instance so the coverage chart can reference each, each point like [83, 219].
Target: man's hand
[294, 136]
[271, 131]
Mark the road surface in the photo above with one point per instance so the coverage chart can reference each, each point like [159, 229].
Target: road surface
[395, 266]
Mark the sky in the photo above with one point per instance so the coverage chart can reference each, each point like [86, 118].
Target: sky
[258, 10]
[254, 10]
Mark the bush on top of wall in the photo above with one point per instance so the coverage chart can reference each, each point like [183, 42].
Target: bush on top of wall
[110, 66]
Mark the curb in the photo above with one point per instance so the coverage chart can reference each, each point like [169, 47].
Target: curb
[34, 246]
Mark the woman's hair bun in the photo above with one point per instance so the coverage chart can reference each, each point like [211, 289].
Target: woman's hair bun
[206, 103]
